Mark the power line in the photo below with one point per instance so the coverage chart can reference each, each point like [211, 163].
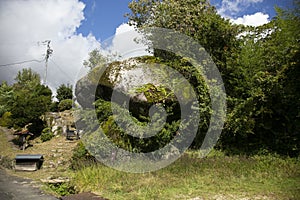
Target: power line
[22, 62]
[60, 69]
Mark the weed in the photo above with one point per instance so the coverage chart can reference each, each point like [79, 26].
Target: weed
[81, 157]
[46, 135]
[6, 162]
[62, 189]
[233, 177]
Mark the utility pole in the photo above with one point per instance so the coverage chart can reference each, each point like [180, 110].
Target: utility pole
[49, 52]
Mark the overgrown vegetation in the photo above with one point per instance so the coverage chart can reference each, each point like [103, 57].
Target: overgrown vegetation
[24, 102]
[266, 176]
[65, 104]
[62, 189]
[81, 157]
[259, 67]
[6, 162]
[46, 134]
[64, 92]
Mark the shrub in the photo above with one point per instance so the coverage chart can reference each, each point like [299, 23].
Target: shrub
[62, 189]
[46, 135]
[54, 107]
[5, 120]
[6, 162]
[81, 157]
[2, 110]
[65, 104]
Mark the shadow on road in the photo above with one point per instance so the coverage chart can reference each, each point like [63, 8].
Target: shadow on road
[15, 188]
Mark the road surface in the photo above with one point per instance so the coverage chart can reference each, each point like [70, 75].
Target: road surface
[15, 188]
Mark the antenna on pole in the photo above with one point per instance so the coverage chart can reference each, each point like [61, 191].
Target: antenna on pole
[49, 52]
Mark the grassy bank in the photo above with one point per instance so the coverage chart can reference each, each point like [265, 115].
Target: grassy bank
[215, 177]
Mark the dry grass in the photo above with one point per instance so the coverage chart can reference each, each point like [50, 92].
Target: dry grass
[220, 177]
[216, 177]
[5, 147]
[57, 153]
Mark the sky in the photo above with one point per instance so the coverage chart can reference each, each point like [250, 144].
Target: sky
[76, 27]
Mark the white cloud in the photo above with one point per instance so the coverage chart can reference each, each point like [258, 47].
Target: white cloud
[123, 28]
[126, 42]
[230, 8]
[25, 24]
[93, 6]
[256, 19]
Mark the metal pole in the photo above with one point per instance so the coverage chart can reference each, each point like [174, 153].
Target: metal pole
[48, 54]
[46, 66]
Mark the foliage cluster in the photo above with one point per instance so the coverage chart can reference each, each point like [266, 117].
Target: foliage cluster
[46, 134]
[64, 92]
[5, 120]
[24, 102]
[81, 157]
[259, 67]
[65, 104]
[263, 97]
[62, 189]
[6, 162]
[64, 96]
[156, 95]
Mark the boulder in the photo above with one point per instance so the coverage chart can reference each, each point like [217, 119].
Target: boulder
[137, 81]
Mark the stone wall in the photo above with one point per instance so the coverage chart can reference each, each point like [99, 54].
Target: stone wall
[59, 121]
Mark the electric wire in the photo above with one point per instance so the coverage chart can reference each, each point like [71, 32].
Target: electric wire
[21, 62]
[61, 70]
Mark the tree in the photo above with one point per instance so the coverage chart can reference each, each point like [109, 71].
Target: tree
[6, 94]
[95, 58]
[199, 20]
[27, 76]
[64, 92]
[265, 104]
[260, 70]
[195, 18]
[30, 100]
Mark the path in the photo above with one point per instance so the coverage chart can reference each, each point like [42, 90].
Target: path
[15, 188]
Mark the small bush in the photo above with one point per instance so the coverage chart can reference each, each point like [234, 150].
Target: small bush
[81, 157]
[46, 135]
[62, 189]
[5, 120]
[6, 162]
[2, 110]
[54, 107]
[65, 104]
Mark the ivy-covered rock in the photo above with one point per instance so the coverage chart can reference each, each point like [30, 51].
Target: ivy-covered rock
[142, 86]
[139, 82]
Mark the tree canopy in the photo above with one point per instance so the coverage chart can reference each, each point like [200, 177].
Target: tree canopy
[64, 92]
[26, 100]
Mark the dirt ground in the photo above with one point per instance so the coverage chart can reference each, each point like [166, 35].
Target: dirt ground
[15, 185]
[57, 154]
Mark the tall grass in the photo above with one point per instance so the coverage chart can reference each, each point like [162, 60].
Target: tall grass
[217, 176]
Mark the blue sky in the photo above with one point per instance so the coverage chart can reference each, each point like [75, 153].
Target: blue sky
[104, 16]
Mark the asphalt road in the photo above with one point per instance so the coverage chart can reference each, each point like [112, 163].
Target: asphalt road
[15, 188]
